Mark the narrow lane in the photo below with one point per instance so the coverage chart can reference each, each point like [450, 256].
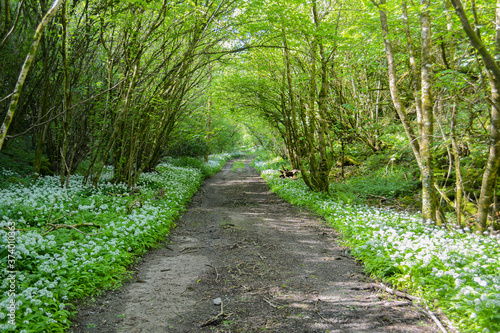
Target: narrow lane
[274, 268]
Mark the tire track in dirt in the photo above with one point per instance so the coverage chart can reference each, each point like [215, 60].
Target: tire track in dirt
[275, 267]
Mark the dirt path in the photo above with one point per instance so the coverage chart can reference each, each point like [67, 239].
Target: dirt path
[274, 267]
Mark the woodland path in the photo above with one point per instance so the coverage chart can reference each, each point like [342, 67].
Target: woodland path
[276, 268]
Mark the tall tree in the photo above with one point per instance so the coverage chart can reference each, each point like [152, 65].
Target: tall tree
[493, 70]
[421, 148]
[427, 133]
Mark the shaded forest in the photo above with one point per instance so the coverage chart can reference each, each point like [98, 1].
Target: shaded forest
[85, 84]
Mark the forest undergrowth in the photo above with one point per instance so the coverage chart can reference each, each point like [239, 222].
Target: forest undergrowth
[68, 243]
[451, 269]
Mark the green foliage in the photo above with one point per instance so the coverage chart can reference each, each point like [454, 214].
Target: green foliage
[193, 138]
[344, 193]
[186, 146]
[264, 161]
[190, 162]
[214, 164]
[392, 185]
[17, 155]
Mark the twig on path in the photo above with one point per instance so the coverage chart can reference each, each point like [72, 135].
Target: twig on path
[433, 317]
[189, 249]
[326, 319]
[397, 292]
[182, 317]
[201, 300]
[269, 302]
[261, 257]
[436, 320]
[216, 272]
[448, 322]
[217, 319]
[426, 310]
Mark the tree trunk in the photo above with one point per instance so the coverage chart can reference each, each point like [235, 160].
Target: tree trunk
[413, 67]
[25, 69]
[458, 171]
[65, 168]
[426, 139]
[6, 27]
[294, 145]
[6, 16]
[43, 112]
[491, 170]
[209, 115]
[396, 100]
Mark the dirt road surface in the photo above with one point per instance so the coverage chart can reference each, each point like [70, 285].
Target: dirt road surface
[243, 260]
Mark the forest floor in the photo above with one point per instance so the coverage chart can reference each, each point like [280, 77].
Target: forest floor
[274, 268]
